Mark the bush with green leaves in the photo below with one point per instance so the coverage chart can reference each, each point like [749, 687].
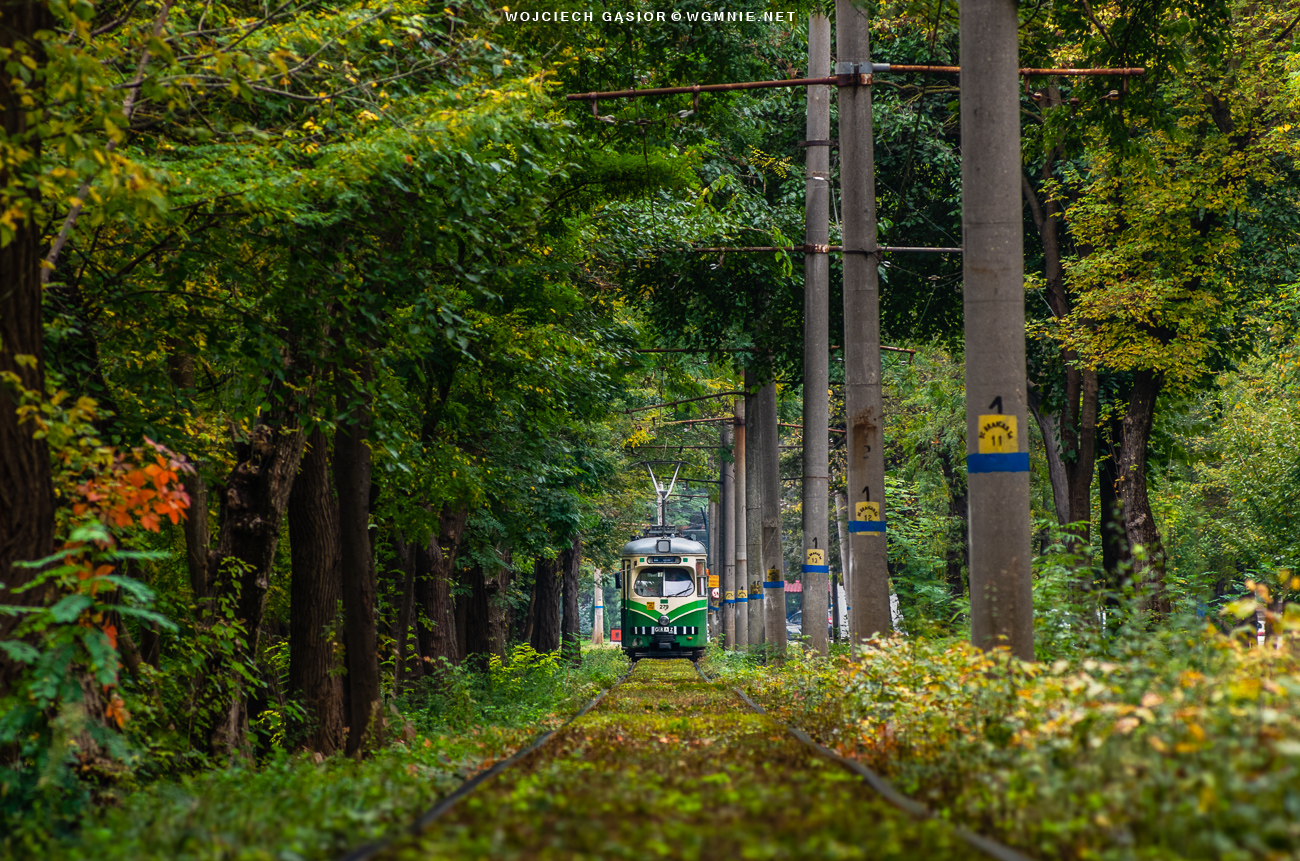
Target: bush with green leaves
[1181, 743]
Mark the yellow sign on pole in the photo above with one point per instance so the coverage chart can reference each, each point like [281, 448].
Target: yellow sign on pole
[815, 556]
[713, 581]
[731, 595]
[742, 595]
[867, 511]
[997, 435]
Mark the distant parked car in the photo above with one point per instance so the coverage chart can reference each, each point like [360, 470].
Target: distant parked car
[794, 625]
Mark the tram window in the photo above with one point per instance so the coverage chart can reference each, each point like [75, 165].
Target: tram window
[677, 583]
[664, 583]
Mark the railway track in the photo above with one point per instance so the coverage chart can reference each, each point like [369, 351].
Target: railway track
[671, 764]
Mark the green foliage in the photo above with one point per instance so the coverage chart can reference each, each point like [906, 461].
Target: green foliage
[524, 687]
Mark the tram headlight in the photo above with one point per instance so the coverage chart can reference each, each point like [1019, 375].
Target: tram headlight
[663, 620]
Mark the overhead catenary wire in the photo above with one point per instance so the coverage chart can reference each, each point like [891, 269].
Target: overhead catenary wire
[818, 249]
[834, 80]
[683, 401]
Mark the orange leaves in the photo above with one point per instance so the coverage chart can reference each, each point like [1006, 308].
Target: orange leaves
[116, 711]
[131, 490]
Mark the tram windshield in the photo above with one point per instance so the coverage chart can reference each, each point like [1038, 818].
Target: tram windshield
[664, 583]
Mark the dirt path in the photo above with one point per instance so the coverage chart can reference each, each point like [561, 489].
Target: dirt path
[670, 766]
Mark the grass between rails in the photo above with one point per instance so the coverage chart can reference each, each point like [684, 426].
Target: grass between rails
[1180, 746]
[669, 766]
[292, 807]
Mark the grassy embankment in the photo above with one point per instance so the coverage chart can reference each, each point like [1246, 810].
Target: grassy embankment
[293, 807]
[1181, 745]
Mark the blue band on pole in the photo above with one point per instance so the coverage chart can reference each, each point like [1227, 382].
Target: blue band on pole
[1016, 461]
[741, 600]
[816, 569]
[756, 596]
[730, 600]
[866, 526]
[773, 584]
[600, 606]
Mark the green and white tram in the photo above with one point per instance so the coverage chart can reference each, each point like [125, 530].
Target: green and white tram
[664, 587]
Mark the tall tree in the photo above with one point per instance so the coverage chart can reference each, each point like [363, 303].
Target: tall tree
[315, 588]
[26, 491]
[570, 564]
[352, 478]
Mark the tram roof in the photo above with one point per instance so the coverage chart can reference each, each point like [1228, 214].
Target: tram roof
[648, 545]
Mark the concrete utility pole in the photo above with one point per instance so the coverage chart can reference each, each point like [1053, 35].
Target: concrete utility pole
[741, 578]
[862, 396]
[754, 430]
[728, 545]
[816, 340]
[598, 624]
[773, 571]
[842, 524]
[997, 434]
[715, 567]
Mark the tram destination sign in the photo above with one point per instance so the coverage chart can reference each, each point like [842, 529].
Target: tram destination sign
[664, 560]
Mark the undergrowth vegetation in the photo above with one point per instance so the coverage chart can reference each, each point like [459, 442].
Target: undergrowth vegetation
[296, 805]
[1176, 744]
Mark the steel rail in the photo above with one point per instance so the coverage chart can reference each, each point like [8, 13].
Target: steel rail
[911, 806]
[447, 802]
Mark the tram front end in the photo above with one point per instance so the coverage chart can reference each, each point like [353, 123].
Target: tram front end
[663, 584]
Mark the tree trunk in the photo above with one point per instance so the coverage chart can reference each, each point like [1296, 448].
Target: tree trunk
[1070, 438]
[26, 491]
[198, 537]
[545, 635]
[252, 509]
[435, 564]
[841, 532]
[352, 479]
[1049, 428]
[315, 588]
[1139, 522]
[570, 563]
[958, 553]
[498, 620]
[1080, 468]
[404, 582]
[485, 617]
[461, 604]
[1114, 545]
